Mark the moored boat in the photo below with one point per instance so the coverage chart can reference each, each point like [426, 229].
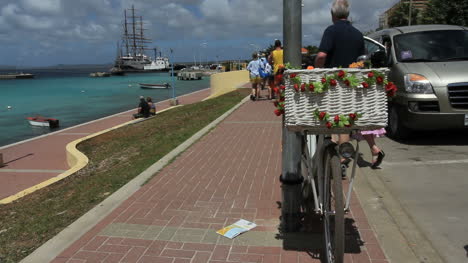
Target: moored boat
[99, 74]
[131, 57]
[17, 76]
[43, 121]
[154, 86]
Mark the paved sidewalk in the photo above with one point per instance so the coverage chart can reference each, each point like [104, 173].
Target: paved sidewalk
[33, 161]
[231, 173]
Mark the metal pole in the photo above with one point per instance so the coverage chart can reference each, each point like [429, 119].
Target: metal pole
[410, 10]
[172, 74]
[291, 177]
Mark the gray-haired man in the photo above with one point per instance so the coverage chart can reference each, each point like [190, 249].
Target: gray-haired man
[341, 43]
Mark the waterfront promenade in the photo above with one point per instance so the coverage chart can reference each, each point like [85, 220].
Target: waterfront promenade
[229, 174]
[34, 161]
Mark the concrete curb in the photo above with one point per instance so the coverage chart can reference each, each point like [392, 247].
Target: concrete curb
[399, 236]
[52, 248]
[79, 162]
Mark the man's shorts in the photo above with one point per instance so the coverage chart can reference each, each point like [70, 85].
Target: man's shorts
[255, 79]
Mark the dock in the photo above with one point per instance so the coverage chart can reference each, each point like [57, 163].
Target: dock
[189, 75]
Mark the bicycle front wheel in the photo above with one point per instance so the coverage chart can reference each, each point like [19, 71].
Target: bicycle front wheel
[333, 208]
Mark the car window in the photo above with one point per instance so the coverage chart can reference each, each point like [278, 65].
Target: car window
[371, 47]
[440, 45]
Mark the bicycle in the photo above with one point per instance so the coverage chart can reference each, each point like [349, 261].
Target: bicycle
[323, 174]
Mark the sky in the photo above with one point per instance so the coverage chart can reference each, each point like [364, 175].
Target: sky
[51, 32]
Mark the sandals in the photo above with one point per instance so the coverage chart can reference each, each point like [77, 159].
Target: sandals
[378, 161]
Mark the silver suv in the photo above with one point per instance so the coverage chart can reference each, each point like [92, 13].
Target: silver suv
[429, 64]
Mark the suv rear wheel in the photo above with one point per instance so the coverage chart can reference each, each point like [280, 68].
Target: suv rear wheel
[396, 128]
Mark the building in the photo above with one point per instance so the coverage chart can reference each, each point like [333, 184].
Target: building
[383, 18]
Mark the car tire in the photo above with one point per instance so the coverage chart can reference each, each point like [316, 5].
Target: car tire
[396, 129]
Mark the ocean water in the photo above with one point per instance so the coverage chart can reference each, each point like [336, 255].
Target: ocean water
[74, 98]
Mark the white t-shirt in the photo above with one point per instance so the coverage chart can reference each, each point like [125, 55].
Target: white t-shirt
[253, 67]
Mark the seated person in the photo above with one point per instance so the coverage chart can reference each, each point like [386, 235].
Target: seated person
[151, 105]
[143, 109]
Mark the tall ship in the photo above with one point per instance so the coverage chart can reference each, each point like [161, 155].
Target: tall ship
[131, 51]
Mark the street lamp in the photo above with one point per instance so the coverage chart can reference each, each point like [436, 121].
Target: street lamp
[204, 44]
[256, 47]
[174, 101]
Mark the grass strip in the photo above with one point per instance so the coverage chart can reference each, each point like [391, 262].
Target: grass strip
[115, 158]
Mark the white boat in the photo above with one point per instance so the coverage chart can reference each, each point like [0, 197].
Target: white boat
[154, 86]
[43, 121]
[99, 74]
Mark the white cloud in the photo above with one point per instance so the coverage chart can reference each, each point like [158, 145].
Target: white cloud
[42, 6]
[97, 24]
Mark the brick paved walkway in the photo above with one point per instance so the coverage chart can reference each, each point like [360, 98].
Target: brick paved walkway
[229, 174]
[34, 161]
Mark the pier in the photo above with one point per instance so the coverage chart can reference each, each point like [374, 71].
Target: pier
[189, 75]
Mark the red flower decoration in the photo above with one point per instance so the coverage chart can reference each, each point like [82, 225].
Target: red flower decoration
[278, 112]
[341, 74]
[379, 80]
[347, 83]
[329, 125]
[365, 85]
[296, 87]
[303, 87]
[322, 115]
[279, 78]
[311, 87]
[324, 80]
[281, 99]
[337, 119]
[275, 90]
[282, 87]
[333, 82]
[352, 116]
[275, 103]
[293, 75]
[370, 75]
[389, 86]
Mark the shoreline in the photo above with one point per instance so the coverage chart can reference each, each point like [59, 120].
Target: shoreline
[89, 122]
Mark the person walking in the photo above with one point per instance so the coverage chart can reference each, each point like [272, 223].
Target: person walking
[267, 73]
[276, 60]
[340, 46]
[253, 68]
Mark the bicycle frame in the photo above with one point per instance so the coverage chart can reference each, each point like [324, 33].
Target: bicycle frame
[316, 170]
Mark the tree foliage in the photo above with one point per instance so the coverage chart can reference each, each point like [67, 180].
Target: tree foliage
[400, 16]
[311, 50]
[451, 12]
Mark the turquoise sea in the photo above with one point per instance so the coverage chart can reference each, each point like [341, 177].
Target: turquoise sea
[74, 98]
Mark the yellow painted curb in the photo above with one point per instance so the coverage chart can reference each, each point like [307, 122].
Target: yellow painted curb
[76, 160]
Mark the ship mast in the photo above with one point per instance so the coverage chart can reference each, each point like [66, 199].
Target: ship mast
[134, 38]
[133, 32]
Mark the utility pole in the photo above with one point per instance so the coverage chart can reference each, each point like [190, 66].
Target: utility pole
[174, 100]
[410, 10]
[291, 177]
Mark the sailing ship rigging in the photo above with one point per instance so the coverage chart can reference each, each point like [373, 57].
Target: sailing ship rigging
[134, 43]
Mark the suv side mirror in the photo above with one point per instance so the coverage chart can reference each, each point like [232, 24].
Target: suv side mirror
[379, 59]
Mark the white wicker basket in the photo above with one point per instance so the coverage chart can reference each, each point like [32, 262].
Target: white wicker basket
[300, 106]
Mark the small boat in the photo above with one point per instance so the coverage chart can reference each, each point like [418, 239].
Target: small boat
[154, 86]
[99, 74]
[17, 76]
[43, 121]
